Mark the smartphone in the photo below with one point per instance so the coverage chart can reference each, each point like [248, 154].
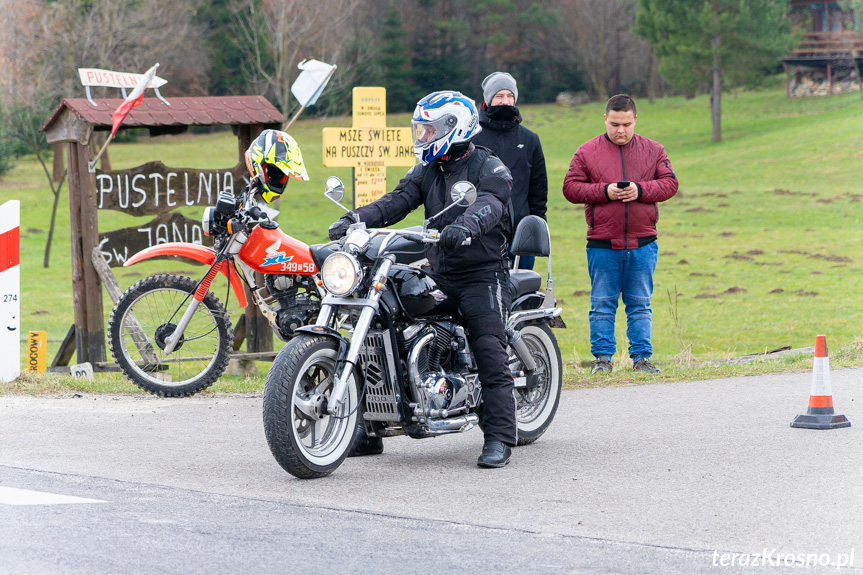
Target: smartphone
[622, 185]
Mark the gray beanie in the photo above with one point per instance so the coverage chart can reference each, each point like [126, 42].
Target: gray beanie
[495, 82]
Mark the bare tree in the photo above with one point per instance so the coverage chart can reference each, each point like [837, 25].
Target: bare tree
[598, 35]
[279, 33]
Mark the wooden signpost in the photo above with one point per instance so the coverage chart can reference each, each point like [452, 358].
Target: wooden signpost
[369, 146]
[150, 189]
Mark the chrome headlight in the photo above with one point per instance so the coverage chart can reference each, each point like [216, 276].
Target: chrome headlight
[208, 220]
[341, 274]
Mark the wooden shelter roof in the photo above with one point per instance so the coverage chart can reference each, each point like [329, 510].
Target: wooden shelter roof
[159, 117]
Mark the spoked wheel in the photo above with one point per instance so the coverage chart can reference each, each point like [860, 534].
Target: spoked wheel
[307, 441]
[143, 319]
[536, 406]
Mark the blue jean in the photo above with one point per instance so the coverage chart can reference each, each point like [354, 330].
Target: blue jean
[628, 273]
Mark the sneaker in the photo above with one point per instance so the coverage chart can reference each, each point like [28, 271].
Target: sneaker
[644, 365]
[601, 365]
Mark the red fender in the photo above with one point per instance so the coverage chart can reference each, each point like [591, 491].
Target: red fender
[195, 252]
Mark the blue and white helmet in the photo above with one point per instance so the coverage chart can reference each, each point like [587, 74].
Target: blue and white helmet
[442, 120]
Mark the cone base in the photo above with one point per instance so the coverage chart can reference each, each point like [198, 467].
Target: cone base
[820, 421]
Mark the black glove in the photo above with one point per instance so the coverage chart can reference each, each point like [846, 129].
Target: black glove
[340, 227]
[452, 237]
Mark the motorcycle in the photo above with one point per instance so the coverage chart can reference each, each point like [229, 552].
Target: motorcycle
[406, 367]
[170, 334]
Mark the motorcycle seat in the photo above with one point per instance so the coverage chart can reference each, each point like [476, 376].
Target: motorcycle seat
[523, 282]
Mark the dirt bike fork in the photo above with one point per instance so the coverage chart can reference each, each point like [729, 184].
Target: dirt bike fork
[200, 293]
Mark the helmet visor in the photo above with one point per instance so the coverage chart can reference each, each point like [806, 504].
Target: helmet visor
[426, 132]
[276, 178]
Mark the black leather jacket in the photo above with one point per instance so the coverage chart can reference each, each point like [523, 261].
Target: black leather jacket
[483, 219]
[520, 150]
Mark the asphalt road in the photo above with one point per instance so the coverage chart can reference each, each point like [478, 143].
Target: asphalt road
[663, 478]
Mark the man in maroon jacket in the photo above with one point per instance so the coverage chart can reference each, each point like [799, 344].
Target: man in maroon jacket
[620, 177]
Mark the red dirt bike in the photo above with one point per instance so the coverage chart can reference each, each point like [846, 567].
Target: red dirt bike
[172, 336]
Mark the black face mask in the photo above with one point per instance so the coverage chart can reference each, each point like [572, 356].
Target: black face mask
[502, 113]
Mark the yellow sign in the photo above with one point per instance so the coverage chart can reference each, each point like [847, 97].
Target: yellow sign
[37, 351]
[369, 146]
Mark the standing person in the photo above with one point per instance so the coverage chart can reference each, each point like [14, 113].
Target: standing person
[475, 275]
[620, 177]
[518, 147]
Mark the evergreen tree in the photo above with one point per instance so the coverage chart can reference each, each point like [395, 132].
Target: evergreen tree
[393, 65]
[715, 44]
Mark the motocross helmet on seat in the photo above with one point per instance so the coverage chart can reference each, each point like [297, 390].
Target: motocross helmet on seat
[442, 121]
[272, 158]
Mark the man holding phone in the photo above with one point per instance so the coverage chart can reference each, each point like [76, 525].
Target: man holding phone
[620, 177]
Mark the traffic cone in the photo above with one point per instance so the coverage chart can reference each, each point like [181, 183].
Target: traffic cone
[820, 414]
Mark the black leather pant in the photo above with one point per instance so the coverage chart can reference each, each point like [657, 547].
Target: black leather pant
[484, 300]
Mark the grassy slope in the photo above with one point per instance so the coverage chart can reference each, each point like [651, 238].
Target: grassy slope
[727, 205]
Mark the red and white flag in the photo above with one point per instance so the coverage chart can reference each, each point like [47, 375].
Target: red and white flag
[132, 101]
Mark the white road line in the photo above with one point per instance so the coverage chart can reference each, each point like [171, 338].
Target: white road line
[13, 496]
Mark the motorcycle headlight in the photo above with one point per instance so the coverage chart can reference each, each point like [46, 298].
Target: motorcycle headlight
[208, 220]
[341, 274]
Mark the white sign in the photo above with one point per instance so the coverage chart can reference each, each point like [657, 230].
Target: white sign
[109, 79]
[10, 287]
[82, 370]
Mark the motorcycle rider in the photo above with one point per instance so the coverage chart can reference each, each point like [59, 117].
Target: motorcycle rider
[475, 275]
[273, 158]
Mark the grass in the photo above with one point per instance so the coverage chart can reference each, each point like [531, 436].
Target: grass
[761, 244]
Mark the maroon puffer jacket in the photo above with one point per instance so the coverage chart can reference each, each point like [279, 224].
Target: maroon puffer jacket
[600, 162]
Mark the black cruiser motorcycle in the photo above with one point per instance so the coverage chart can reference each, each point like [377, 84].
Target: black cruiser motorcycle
[405, 366]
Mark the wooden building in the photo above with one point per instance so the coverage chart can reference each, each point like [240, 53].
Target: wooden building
[830, 54]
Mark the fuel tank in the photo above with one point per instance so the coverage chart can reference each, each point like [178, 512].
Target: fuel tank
[418, 293]
[270, 251]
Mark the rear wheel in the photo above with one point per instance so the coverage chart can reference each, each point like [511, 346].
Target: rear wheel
[144, 317]
[536, 406]
[307, 441]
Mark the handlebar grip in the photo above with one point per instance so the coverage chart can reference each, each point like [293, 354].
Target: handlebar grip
[256, 212]
[413, 237]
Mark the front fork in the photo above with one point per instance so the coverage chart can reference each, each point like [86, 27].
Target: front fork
[337, 399]
[197, 298]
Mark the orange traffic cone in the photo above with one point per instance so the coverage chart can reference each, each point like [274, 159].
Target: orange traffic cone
[820, 414]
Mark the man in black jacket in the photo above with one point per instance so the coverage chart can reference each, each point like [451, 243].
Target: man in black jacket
[518, 147]
[474, 275]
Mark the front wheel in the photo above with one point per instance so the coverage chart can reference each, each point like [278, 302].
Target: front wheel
[144, 317]
[307, 441]
[536, 406]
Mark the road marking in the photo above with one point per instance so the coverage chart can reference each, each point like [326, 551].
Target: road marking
[13, 496]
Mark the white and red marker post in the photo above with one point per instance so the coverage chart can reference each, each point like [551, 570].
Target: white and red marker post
[10, 288]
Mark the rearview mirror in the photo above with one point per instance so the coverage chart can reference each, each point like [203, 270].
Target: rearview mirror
[463, 193]
[335, 189]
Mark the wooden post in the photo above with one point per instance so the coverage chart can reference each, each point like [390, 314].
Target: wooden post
[79, 300]
[89, 240]
[787, 82]
[830, 78]
[58, 162]
[259, 334]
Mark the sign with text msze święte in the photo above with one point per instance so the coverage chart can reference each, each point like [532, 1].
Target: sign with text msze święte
[368, 146]
[10, 288]
[154, 189]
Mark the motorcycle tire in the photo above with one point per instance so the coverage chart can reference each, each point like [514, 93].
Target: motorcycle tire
[307, 447]
[536, 407]
[146, 314]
